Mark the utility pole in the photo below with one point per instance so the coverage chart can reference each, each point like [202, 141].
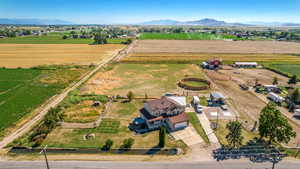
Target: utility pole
[44, 152]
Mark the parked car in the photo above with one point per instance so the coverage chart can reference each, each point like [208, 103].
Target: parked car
[199, 108]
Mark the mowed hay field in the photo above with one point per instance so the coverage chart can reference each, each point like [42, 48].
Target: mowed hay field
[216, 46]
[199, 57]
[30, 55]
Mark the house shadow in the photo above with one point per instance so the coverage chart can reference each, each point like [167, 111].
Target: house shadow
[153, 150]
[255, 150]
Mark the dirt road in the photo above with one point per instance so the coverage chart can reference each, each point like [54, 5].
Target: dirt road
[57, 99]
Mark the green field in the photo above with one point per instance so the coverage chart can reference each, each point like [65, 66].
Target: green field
[185, 36]
[53, 39]
[291, 69]
[22, 90]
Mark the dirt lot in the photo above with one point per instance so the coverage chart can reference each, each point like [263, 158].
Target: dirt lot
[248, 76]
[216, 46]
[246, 103]
[29, 55]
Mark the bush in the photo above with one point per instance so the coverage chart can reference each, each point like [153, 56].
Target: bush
[127, 143]
[108, 144]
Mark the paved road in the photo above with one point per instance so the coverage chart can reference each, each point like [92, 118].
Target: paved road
[237, 164]
[57, 99]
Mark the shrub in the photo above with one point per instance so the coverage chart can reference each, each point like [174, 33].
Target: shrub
[108, 144]
[127, 143]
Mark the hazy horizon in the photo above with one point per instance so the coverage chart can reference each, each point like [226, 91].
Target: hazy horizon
[132, 11]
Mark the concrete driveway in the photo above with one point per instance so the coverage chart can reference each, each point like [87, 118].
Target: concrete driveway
[189, 136]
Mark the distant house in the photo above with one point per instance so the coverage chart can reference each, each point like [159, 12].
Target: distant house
[212, 64]
[245, 64]
[168, 111]
[272, 88]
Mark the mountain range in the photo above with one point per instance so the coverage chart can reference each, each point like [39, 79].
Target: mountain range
[214, 22]
[202, 22]
[33, 21]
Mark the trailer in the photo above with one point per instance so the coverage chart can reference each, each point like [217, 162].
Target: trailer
[275, 98]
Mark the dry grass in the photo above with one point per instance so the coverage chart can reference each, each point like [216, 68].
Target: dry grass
[198, 57]
[151, 79]
[29, 55]
[215, 46]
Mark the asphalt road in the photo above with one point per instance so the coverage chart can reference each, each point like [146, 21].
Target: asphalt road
[236, 164]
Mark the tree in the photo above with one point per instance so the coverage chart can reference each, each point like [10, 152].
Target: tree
[162, 137]
[65, 37]
[108, 144]
[127, 143]
[274, 126]
[293, 80]
[100, 38]
[130, 96]
[275, 81]
[234, 137]
[295, 96]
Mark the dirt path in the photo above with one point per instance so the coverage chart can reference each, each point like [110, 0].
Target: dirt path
[58, 98]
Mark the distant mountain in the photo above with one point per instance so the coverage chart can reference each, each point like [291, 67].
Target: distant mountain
[33, 22]
[161, 22]
[202, 22]
[274, 24]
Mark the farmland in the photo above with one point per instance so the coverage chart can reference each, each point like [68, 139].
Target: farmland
[22, 90]
[184, 36]
[216, 46]
[30, 55]
[200, 57]
[52, 39]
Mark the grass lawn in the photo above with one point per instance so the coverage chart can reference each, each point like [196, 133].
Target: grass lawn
[293, 69]
[53, 39]
[195, 83]
[197, 125]
[151, 79]
[25, 89]
[221, 133]
[185, 36]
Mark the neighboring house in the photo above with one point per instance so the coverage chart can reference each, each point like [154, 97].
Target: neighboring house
[245, 64]
[167, 111]
[272, 88]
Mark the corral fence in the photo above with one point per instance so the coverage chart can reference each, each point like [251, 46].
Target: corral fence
[132, 151]
[185, 86]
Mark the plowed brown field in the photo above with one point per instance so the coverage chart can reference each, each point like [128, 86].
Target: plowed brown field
[29, 55]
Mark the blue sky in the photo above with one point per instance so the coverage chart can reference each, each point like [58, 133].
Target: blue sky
[135, 11]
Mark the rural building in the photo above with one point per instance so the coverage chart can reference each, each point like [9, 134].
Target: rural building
[245, 64]
[212, 64]
[275, 98]
[217, 98]
[167, 111]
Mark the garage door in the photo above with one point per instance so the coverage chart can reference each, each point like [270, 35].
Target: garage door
[180, 125]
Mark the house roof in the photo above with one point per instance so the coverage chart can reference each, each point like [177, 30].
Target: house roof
[150, 117]
[162, 103]
[246, 63]
[181, 100]
[182, 117]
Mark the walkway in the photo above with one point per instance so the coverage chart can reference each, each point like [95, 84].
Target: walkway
[209, 131]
